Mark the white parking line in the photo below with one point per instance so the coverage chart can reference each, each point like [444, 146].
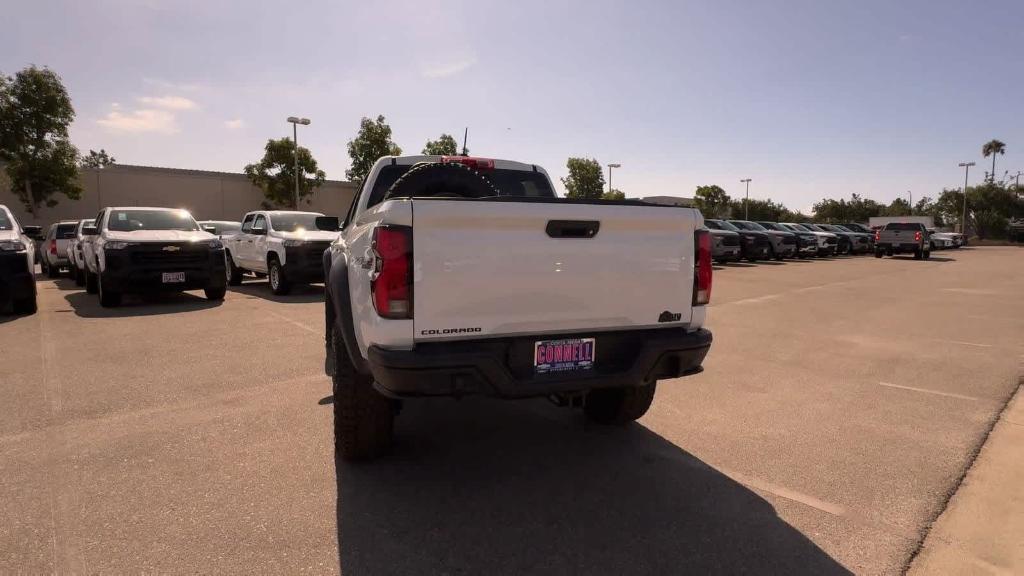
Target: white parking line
[962, 343]
[293, 322]
[927, 391]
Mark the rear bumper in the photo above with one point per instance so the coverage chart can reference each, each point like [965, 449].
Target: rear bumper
[504, 367]
[16, 280]
[898, 248]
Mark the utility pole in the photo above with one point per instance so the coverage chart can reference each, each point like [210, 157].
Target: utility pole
[911, 196]
[610, 166]
[295, 137]
[746, 200]
[963, 219]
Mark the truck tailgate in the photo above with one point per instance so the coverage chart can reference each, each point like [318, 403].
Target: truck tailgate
[485, 268]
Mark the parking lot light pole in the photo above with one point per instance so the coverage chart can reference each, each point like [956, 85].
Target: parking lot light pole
[610, 166]
[963, 219]
[295, 137]
[746, 200]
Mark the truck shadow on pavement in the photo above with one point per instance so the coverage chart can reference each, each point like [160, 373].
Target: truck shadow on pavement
[489, 487]
[932, 258]
[300, 293]
[88, 305]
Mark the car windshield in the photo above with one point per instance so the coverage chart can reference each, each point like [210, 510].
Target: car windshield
[297, 222]
[812, 227]
[722, 225]
[83, 224]
[5, 221]
[133, 220]
[841, 228]
[857, 227]
[749, 225]
[774, 226]
[508, 183]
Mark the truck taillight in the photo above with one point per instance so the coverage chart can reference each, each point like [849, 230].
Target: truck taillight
[701, 267]
[53, 246]
[474, 163]
[391, 283]
[878, 235]
[917, 236]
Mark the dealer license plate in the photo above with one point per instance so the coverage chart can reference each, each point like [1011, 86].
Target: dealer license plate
[173, 277]
[567, 355]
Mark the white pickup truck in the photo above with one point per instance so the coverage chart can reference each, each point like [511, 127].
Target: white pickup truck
[17, 264]
[458, 275]
[286, 246]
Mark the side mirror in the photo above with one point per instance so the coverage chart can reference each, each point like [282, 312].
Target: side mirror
[90, 231]
[328, 223]
[258, 231]
[33, 232]
[210, 229]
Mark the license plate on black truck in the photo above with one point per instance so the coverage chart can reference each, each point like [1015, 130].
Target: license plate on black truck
[565, 355]
[173, 277]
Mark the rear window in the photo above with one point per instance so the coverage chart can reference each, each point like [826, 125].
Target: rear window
[65, 231]
[508, 183]
[903, 226]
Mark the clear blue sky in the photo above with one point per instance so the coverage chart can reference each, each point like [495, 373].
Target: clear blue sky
[809, 98]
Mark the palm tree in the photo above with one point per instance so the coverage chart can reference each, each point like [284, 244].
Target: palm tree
[991, 148]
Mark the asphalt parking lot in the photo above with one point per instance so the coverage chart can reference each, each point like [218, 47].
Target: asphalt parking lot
[841, 403]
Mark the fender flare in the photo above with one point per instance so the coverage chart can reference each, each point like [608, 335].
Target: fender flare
[338, 308]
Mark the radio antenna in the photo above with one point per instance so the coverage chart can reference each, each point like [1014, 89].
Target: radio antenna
[465, 136]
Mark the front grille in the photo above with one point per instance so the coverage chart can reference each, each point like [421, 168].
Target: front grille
[831, 240]
[789, 239]
[170, 253]
[731, 241]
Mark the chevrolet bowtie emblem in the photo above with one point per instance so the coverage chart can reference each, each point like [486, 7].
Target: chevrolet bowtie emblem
[171, 248]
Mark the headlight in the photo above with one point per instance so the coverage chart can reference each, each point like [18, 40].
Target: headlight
[293, 243]
[215, 244]
[118, 245]
[12, 246]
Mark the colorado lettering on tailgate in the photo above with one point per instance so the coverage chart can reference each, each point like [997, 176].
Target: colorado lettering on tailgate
[436, 332]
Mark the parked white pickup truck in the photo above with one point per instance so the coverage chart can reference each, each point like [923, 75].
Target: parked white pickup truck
[286, 246]
[457, 275]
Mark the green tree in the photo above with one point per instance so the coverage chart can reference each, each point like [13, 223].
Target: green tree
[443, 146]
[585, 178]
[35, 112]
[275, 173]
[712, 201]
[898, 207]
[372, 142]
[992, 148]
[97, 160]
[614, 194]
[759, 210]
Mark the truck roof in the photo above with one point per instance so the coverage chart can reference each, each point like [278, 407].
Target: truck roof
[498, 162]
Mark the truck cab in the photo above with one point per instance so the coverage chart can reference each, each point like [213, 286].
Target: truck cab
[455, 276]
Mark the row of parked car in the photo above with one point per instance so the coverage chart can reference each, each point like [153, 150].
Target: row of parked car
[733, 240]
[138, 249]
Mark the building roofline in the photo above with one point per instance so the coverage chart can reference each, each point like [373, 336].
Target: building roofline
[185, 172]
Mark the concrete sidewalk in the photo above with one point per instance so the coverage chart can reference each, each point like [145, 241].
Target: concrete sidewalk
[982, 529]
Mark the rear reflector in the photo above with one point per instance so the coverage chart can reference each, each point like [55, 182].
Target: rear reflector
[53, 246]
[392, 277]
[917, 236]
[474, 163]
[701, 267]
